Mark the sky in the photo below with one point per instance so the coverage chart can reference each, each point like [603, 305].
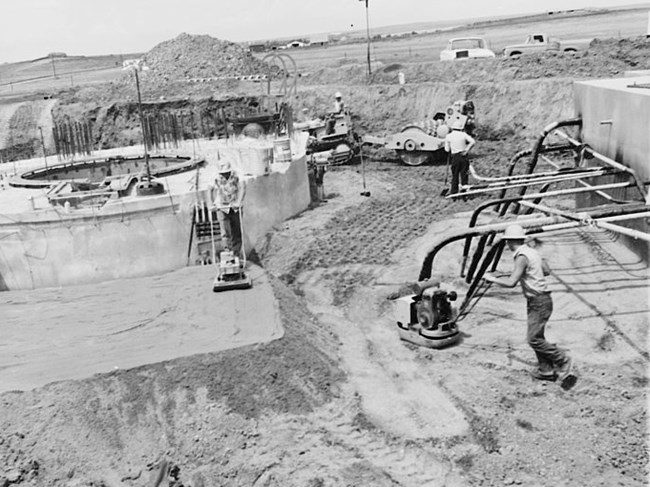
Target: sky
[30, 29]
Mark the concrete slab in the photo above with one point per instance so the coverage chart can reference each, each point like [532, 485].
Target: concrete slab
[56, 334]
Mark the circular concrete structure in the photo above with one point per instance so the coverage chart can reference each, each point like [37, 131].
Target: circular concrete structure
[96, 173]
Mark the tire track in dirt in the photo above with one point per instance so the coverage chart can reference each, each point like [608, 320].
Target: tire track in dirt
[394, 395]
[337, 434]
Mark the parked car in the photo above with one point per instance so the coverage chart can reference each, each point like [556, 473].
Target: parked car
[294, 44]
[542, 42]
[466, 47]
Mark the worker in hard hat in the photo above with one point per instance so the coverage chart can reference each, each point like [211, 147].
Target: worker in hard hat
[227, 196]
[458, 144]
[339, 106]
[339, 109]
[530, 271]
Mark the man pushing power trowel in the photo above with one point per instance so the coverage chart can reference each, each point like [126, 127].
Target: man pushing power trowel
[227, 196]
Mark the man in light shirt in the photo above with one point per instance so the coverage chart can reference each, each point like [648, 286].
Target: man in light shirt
[458, 144]
[227, 194]
[530, 270]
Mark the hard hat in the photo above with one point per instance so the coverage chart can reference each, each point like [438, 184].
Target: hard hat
[338, 95]
[224, 167]
[514, 232]
[457, 125]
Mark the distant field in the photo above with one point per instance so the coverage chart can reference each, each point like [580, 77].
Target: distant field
[427, 47]
[46, 76]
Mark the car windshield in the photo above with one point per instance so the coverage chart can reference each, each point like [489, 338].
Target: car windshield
[467, 44]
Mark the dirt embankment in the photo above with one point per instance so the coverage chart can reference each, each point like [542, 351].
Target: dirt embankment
[514, 97]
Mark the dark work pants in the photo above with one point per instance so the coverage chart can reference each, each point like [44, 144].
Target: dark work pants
[459, 171]
[230, 228]
[548, 354]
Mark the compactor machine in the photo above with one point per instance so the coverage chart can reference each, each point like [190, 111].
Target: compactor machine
[231, 273]
[427, 319]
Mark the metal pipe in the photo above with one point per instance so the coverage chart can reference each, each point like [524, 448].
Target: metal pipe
[536, 224]
[637, 234]
[540, 143]
[425, 270]
[507, 179]
[483, 206]
[561, 177]
[607, 160]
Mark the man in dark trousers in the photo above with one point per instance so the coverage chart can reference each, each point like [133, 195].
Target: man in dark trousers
[458, 144]
[530, 270]
[228, 193]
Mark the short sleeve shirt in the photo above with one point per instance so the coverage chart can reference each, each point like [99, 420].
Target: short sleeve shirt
[227, 191]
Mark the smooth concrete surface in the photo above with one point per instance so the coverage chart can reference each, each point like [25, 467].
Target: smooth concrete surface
[74, 332]
[135, 238]
[44, 246]
[616, 123]
[616, 119]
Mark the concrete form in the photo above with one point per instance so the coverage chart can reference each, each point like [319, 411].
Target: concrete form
[45, 245]
[615, 117]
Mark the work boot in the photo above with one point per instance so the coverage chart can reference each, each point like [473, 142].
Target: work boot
[566, 374]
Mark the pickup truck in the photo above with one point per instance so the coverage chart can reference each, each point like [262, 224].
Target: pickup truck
[542, 42]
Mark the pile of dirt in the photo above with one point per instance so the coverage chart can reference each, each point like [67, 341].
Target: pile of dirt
[201, 57]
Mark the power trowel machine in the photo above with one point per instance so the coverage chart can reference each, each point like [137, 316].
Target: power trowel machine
[427, 319]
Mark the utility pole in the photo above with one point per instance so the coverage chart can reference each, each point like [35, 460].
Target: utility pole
[149, 186]
[142, 125]
[53, 68]
[40, 129]
[368, 39]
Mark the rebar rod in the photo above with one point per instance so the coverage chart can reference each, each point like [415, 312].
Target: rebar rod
[607, 160]
[560, 177]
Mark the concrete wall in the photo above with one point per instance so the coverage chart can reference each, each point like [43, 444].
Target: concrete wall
[133, 236]
[616, 122]
[51, 248]
[273, 198]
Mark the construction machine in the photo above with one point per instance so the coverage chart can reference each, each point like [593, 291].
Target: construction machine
[332, 137]
[427, 318]
[417, 144]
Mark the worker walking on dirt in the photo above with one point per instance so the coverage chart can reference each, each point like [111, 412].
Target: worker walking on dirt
[227, 195]
[530, 270]
[458, 144]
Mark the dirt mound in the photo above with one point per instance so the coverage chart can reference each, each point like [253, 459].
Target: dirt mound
[201, 56]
